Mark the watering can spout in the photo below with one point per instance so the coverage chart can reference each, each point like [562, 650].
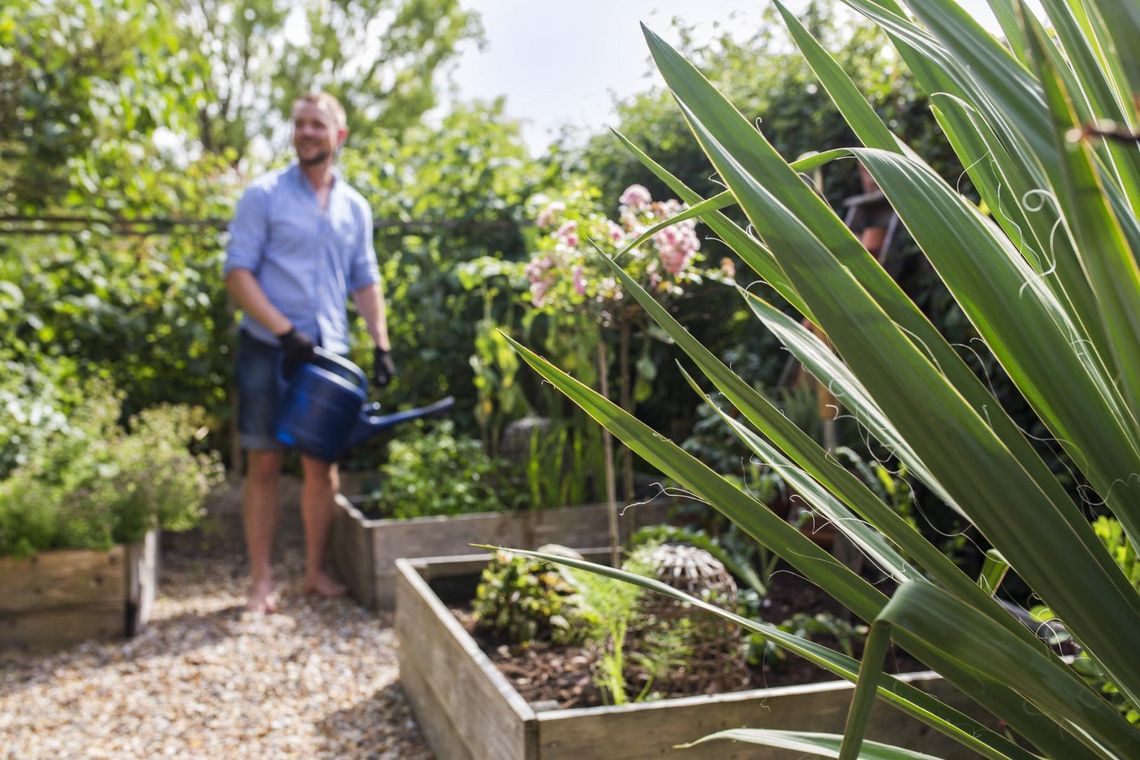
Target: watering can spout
[370, 422]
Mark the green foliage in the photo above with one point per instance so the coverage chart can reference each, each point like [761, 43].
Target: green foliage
[432, 470]
[1052, 289]
[84, 482]
[835, 631]
[100, 99]
[81, 83]
[608, 610]
[383, 58]
[771, 83]
[1111, 534]
[464, 184]
[564, 465]
[130, 119]
[773, 86]
[525, 600]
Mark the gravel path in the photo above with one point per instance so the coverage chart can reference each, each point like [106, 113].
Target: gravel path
[208, 680]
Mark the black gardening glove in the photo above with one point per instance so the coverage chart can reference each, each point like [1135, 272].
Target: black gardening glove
[383, 368]
[298, 349]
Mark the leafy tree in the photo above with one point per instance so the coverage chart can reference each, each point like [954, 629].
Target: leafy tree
[80, 81]
[772, 84]
[383, 59]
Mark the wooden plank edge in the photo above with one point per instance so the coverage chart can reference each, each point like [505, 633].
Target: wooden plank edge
[917, 678]
[409, 571]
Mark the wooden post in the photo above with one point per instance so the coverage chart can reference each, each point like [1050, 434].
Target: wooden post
[608, 449]
[626, 404]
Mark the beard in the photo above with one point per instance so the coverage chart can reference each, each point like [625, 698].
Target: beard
[320, 157]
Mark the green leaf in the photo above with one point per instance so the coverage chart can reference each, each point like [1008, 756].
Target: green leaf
[1040, 677]
[994, 569]
[824, 745]
[950, 436]
[756, 521]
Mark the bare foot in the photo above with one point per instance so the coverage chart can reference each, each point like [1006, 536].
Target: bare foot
[261, 598]
[323, 585]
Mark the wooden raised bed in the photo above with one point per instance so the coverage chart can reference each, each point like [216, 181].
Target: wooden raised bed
[364, 552]
[468, 710]
[57, 598]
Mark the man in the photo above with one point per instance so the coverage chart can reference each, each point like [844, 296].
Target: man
[300, 243]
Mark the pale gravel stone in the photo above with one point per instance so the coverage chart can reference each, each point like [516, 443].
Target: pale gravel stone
[207, 680]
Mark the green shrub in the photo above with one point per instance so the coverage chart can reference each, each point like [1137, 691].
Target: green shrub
[433, 471]
[522, 599]
[90, 483]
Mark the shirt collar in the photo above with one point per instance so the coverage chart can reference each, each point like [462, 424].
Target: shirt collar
[294, 169]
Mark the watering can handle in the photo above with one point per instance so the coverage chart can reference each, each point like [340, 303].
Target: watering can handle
[340, 366]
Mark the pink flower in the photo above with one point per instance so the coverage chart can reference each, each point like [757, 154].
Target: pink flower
[567, 234]
[579, 281]
[537, 269]
[549, 215]
[541, 274]
[616, 233]
[676, 246]
[538, 291]
[673, 259]
[636, 197]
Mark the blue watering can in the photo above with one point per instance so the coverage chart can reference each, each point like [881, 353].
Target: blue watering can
[326, 409]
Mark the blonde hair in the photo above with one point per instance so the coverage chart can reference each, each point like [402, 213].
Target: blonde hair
[327, 103]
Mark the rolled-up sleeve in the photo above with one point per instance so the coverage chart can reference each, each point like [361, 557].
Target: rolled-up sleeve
[364, 270]
[248, 231]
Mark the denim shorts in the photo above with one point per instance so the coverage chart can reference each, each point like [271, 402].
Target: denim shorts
[261, 388]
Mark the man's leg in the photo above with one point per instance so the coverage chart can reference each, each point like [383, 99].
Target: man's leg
[260, 510]
[317, 505]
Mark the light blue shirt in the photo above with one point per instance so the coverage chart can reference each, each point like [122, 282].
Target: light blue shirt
[306, 260]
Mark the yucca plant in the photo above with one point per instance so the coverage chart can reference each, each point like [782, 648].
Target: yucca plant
[1049, 278]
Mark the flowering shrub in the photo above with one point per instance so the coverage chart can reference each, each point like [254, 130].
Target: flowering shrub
[564, 273]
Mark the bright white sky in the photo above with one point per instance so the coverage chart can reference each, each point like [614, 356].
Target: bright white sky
[566, 62]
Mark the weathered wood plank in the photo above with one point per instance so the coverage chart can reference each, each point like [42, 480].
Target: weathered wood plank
[60, 577]
[62, 597]
[584, 525]
[350, 549]
[432, 717]
[494, 722]
[142, 582]
[50, 628]
[651, 730]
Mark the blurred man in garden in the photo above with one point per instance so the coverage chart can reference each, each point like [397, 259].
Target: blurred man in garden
[300, 244]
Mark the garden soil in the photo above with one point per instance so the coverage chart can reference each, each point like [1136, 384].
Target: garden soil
[553, 676]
